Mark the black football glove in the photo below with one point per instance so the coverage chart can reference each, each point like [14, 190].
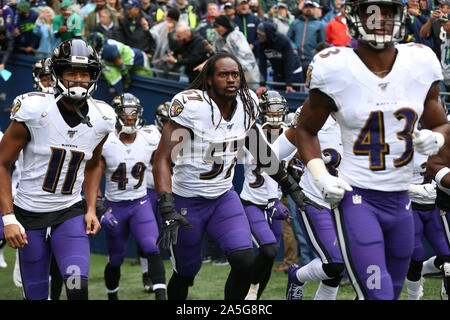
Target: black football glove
[171, 220]
[100, 208]
[290, 187]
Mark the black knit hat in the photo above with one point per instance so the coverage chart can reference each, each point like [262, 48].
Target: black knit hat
[174, 14]
[224, 22]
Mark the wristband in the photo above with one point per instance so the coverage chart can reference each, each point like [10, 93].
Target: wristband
[440, 174]
[316, 167]
[11, 219]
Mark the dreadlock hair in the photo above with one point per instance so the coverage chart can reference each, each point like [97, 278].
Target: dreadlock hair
[201, 83]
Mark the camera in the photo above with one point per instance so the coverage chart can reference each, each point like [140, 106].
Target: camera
[445, 17]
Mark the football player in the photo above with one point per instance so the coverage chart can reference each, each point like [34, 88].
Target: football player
[209, 124]
[62, 136]
[260, 197]
[429, 222]
[316, 221]
[377, 99]
[125, 157]
[42, 78]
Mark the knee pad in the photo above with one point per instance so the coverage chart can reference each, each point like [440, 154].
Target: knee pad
[184, 281]
[77, 290]
[333, 270]
[242, 259]
[415, 270]
[268, 251]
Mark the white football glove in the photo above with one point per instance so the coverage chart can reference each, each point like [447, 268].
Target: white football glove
[428, 142]
[332, 188]
[425, 191]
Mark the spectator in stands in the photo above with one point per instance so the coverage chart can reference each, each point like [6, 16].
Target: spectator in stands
[7, 18]
[134, 28]
[415, 19]
[94, 17]
[255, 9]
[116, 8]
[67, 25]
[86, 7]
[247, 22]
[336, 30]
[282, 19]
[25, 40]
[43, 28]
[229, 10]
[445, 55]
[190, 52]
[6, 46]
[37, 5]
[159, 12]
[106, 26]
[148, 7]
[276, 48]
[188, 16]
[305, 33]
[432, 29]
[335, 9]
[230, 39]
[206, 26]
[165, 38]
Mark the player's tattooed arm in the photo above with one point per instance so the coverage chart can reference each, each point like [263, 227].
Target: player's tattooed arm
[14, 140]
[93, 173]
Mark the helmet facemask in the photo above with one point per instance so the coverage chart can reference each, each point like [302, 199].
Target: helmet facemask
[377, 22]
[128, 106]
[162, 115]
[273, 108]
[40, 70]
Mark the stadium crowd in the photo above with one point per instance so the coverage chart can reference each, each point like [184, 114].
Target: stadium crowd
[154, 192]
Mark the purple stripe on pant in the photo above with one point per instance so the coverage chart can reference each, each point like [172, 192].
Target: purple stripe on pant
[429, 224]
[136, 217]
[319, 230]
[264, 232]
[222, 218]
[70, 246]
[376, 236]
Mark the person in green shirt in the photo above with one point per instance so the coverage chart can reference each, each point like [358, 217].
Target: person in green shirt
[68, 24]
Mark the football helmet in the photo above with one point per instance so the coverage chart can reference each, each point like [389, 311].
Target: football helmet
[162, 115]
[126, 105]
[273, 107]
[77, 54]
[360, 30]
[41, 68]
[97, 41]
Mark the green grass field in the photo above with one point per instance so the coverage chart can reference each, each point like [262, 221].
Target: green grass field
[208, 285]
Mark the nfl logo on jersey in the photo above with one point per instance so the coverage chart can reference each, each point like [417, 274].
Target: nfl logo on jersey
[183, 211]
[357, 199]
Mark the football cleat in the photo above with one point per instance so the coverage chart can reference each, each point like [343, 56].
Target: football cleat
[148, 285]
[445, 268]
[252, 292]
[294, 290]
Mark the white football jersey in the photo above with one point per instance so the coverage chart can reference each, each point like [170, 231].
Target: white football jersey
[377, 115]
[153, 131]
[331, 145]
[205, 165]
[126, 166]
[55, 157]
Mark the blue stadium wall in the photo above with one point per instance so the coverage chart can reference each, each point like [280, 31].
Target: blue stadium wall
[151, 92]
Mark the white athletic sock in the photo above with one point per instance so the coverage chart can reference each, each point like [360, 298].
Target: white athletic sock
[144, 264]
[414, 289]
[429, 267]
[325, 292]
[313, 271]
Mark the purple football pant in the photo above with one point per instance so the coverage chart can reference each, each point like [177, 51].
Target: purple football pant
[136, 217]
[153, 196]
[318, 228]
[263, 232]
[70, 245]
[376, 235]
[431, 225]
[222, 218]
